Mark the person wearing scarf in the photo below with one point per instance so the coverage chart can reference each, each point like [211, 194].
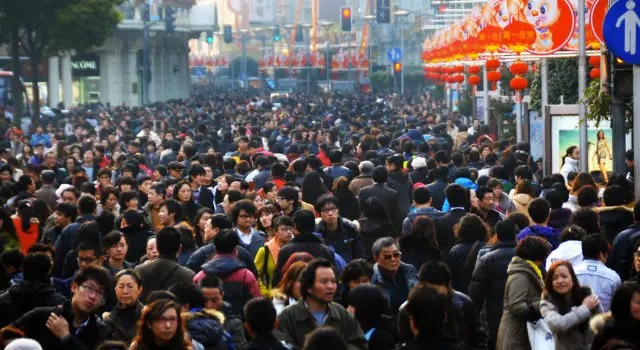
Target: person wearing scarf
[267, 255]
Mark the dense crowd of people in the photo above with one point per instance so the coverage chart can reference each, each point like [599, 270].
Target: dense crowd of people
[232, 220]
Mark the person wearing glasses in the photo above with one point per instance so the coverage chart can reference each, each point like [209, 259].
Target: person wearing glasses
[337, 232]
[89, 254]
[243, 216]
[267, 256]
[75, 324]
[162, 328]
[395, 278]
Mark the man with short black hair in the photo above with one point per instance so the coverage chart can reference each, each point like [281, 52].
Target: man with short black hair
[592, 271]
[240, 284]
[87, 206]
[458, 198]
[337, 232]
[261, 321]
[33, 291]
[539, 211]
[165, 270]
[437, 187]
[74, 325]
[316, 308]
[155, 197]
[336, 169]
[304, 240]
[486, 206]
[388, 196]
[64, 215]
[422, 202]
[47, 192]
[201, 194]
[288, 199]
[136, 233]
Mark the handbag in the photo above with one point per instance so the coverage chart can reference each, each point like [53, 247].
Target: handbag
[540, 336]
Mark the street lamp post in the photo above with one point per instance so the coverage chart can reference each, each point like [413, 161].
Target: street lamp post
[289, 28]
[326, 26]
[307, 26]
[370, 19]
[244, 58]
[402, 14]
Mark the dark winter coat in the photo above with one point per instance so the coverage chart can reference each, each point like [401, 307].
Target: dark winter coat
[122, 322]
[205, 253]
[614, 220]
[26, 296]
[486, 289]
[388, 197]
[559, 218]
[419, 175]
[429, 212]
[371, 230]
[65, 242]
[549, 233]
[444, 228]
[416, 251]
[407, 275]
[267, 342]
[401, 183]
[606, 330]
[621, 256]
[346, 240]
[237, 287]
[161, 274]
[88, 336]
[304, 242]
[436, 189]
[206, 327]
[462, 260]
[348, 205]
[465, 326]
[137, 238]
[384, 335]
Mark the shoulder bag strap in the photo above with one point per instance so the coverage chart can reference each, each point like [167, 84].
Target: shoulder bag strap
[468, 259]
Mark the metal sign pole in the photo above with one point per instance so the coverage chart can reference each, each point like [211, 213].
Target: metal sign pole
[582, 86]
[636, 122]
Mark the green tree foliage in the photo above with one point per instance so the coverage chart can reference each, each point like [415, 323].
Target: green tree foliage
[599, 105]
[562, 81]
[465, 103]
[43, 27]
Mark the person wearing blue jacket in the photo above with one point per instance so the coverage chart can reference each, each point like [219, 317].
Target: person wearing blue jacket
[539, 210]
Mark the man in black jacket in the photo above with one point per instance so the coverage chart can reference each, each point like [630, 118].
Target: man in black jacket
[260, 323]
[201, 194]
[388, 196]
[303, 241]
[490, 277]
[34, 291]
[137, 235]
[337, 232]
[462, 322]
[436, 188]
[458, 199]
[75, 324]
[622, 254]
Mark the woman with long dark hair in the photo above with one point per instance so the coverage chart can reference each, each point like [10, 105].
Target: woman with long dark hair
[183, 194]
[26, 224]
[160, 327]
[312, 187]
[472, 234]
[348, 203]
[265, 216]
[422, 244]
[374, 224]
[567, 307]
[620, 326]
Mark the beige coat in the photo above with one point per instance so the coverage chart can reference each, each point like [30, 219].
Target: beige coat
[521, 304]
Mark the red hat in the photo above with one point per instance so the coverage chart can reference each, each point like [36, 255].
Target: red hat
[418, 185]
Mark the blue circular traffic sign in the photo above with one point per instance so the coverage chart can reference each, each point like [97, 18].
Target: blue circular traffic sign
[621, 30]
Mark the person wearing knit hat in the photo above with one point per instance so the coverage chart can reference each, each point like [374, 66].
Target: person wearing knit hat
[420, 170]
[363, 180]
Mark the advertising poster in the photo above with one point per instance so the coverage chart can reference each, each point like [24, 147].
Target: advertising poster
[565, 133]
[454, 99]
[155, 7]
[536, 134]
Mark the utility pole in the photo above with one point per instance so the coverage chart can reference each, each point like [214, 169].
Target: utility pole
[582, 85]
[146, 69]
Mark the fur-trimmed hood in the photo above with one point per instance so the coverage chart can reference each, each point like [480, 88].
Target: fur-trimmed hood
[193, 313]
[600, 322]
[620, 208]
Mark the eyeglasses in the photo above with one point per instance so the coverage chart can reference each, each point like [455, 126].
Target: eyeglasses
[246, 216]
[170, 320]
[394, 255]
[86, 260]
[91, 290]
[285, 229]
[329, 210]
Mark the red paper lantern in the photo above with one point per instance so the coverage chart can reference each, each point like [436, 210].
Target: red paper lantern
[518, 68]
[458, 69]
[492, 64]
[493, 76]
[473, 69]
[518, 83]
[473, 80]
[594, 73]
[518, 36]
[594, 61]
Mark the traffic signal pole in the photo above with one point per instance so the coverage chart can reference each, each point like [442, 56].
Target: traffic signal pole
[146, 78]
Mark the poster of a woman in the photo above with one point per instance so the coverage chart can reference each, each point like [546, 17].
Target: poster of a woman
[602, 153]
